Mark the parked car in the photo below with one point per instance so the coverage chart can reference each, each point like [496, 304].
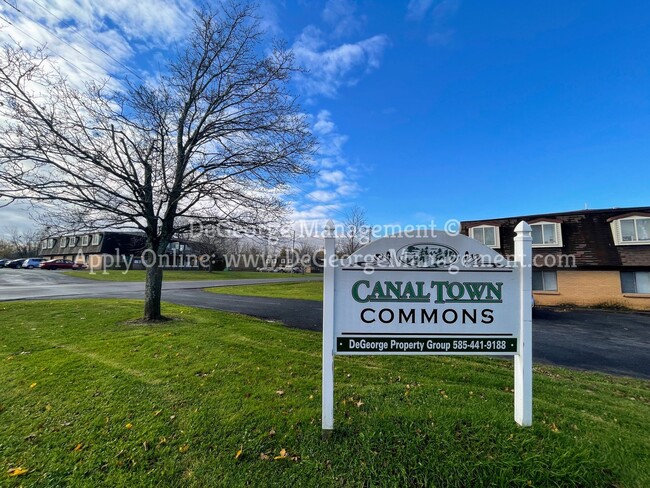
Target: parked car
[57, 264]
[291, 269]
[3, 262]
[31, 263]
[78, 266]
[15, 263]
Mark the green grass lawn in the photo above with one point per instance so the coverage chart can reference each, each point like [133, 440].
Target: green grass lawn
[311, 290]
[178, 275]
[89, 398]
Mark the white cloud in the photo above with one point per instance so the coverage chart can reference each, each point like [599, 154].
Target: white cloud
[330, 68]
[327, 178]
[93, 40]
[322, 196]
[335, 183]
[317, 212]
[341, 15]
[438, 13]
[323, 123]
[157, 21]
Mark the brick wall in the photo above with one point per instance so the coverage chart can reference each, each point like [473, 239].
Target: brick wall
[591, 288]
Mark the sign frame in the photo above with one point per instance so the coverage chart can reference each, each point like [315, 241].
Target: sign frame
[429, 256]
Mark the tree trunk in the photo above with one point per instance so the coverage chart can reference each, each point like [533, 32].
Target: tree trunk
[153, 292]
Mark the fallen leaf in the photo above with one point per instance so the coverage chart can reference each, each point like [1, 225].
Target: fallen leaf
[145, 445]
[163, 441]
[264, 457]
[32, 385]
[283, 455]
[359, 403]
[19, 471]
[184, 448]
[239, 453]
[280, 392]
[271, 432]
[78, 447]
[129, 425]
[157, 412]
[554, 428]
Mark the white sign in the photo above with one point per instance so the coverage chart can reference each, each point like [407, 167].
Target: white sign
[432, 294]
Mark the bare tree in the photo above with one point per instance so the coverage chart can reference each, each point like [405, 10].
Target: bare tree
[6, 249]
[212, 141]
[25, 243]
[356, 231]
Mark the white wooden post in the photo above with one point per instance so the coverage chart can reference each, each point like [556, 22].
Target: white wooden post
[524, 356]
[328, 330]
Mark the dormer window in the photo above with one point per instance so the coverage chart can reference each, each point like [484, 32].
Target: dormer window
[631, 229]
[96, 239]
[64, 242]
[85, 240]
[73, 241]
[486, 234]
[546, 234]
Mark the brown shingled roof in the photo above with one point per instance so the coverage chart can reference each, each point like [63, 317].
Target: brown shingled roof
[586, 235]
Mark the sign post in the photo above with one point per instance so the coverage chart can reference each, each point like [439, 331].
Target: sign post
[328, 330]
[428, 294]
[524, 360]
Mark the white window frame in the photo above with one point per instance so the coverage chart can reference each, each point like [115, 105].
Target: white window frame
[44, 244]
[97, 238]
[636, 287]
[72, 241]
[544, 289]
[497, 236]
[558, 233]
[618, 235]
[85, 240]
[64, 242]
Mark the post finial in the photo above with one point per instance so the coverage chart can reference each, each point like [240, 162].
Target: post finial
[329, 228]
[523, 227]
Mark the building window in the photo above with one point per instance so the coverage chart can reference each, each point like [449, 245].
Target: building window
[546, 234]
[64, 242]
[635, 281]
[96, 239]
[631, 230]
[486, 234]
[72, 242]
[85, 240]
[544, 280]
[44, 244]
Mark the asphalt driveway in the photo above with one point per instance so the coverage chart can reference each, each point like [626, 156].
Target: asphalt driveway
[595, 340]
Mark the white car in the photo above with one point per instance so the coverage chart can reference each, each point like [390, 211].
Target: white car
[31, 263]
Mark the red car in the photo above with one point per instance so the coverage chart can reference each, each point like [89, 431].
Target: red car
[57, 264]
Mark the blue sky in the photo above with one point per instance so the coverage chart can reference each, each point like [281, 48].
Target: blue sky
[427, 109]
